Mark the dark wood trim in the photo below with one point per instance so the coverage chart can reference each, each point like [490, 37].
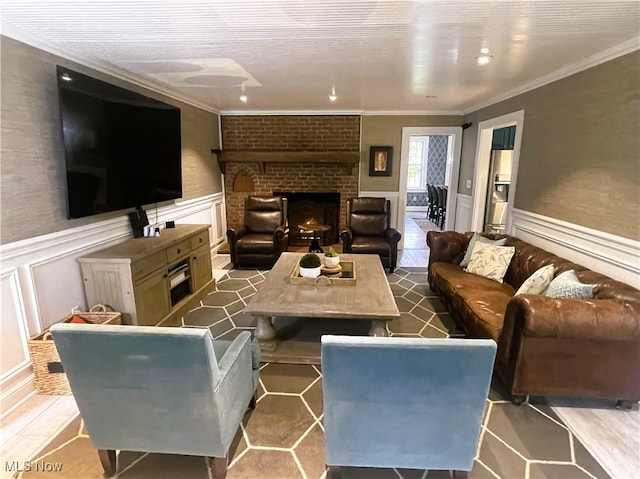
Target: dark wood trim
[460, 474]
[218, 466]
[261, 157]
[108, 461]
[334, 472]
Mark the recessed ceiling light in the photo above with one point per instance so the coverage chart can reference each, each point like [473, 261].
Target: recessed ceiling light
[484, 59]
[65, 76]
[243, 98]
[333, 96]
[484, 50]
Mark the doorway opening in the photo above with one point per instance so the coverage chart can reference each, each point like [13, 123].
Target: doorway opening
[485, 161]
[428, 155]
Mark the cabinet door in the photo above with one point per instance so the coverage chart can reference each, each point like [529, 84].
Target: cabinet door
[201, 267]
[152, 298]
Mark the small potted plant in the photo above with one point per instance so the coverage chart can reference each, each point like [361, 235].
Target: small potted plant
[310, 266]
[331, 258]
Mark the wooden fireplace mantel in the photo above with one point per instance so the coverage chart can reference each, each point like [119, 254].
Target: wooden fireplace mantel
[349, 158]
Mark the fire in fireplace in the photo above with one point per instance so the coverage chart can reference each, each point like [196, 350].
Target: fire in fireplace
[312, 208]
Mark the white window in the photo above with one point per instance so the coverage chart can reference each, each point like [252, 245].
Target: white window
[418, 157]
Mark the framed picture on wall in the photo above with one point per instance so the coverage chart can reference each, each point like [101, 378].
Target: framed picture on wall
[380, 160]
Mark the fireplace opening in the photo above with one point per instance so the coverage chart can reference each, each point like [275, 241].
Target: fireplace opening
[312, 208]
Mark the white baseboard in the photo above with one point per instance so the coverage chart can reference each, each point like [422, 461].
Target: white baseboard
[614, 256]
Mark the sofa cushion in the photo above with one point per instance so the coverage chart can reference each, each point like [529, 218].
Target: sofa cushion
[567, 285]
[490, 261]
[538, 281]
[482, 311]
[450, 278]
[482, 239]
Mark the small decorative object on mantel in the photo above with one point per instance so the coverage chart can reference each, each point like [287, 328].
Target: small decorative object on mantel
[331, 259]
[380, 160]
[310, 266]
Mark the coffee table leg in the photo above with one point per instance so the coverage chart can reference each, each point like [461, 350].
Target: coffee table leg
[378, 328]
[266, 333]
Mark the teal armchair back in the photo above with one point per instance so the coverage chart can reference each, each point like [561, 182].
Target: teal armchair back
[163, 390]
[412, 403]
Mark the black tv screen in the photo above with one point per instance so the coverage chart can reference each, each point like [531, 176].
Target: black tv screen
[122, 149]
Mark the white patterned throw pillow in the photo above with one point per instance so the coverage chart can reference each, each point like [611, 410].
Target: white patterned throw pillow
[567, 285]
[474, 239]
[538, 281]
[490, 261]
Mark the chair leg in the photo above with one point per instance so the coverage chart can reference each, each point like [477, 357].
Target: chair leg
[333, 472]
[108, 461]
[460, 474]
[218, 466]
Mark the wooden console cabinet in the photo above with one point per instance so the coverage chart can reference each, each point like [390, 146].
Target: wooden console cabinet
[152, 281]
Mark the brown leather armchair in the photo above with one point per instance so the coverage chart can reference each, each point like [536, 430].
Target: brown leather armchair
[264, 235]
[368, 230]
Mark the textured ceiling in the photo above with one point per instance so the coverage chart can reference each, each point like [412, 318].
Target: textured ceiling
[290, 54]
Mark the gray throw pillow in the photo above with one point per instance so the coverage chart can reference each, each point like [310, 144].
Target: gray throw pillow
[567, 285]
[474, 239]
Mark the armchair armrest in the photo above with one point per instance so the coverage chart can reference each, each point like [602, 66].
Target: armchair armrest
[347, 239]
[393, 236]
[236, 372]
[236, 233]
[233, 235]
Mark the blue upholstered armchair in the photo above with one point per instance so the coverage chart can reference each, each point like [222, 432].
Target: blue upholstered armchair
[404, 402]
[163, 390]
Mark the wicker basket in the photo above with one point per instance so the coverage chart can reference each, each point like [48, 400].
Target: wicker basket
[47, 369]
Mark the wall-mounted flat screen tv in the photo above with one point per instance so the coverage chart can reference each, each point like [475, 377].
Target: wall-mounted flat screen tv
[122, 149]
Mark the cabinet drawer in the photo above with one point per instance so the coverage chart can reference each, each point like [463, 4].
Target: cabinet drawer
[199, 239]
[143, 267]
[177, 251]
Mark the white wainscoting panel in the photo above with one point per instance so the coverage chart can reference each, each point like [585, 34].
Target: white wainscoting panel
[614, 256]
[41, 280]
[464, 206]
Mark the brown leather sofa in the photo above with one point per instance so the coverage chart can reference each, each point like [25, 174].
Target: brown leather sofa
[546, 346]
[368, 230]
[264, 235]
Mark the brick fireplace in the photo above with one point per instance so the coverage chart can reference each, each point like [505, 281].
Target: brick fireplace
[286, 136]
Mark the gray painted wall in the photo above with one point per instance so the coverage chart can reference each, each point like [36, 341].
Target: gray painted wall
[580, 152]
[32, 171]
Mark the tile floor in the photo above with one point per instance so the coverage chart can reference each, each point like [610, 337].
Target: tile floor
[283, 437]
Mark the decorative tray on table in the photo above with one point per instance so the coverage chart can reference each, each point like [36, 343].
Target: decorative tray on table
[343, 274]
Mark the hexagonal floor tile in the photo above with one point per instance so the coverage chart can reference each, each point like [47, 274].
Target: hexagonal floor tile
[242, 273]
[232, 284]
[288, 378]
[500, 459]
[278, 421]
[265, 464]
[310, 453]
[220, 298]
[205, 316]
[406, 323]
[529, 432]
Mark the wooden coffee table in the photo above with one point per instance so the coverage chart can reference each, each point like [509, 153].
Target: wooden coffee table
[369, 299]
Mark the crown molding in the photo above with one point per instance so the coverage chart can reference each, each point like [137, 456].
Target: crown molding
[288, 112]
[564, 72]
[20, 35]
[413, 113]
